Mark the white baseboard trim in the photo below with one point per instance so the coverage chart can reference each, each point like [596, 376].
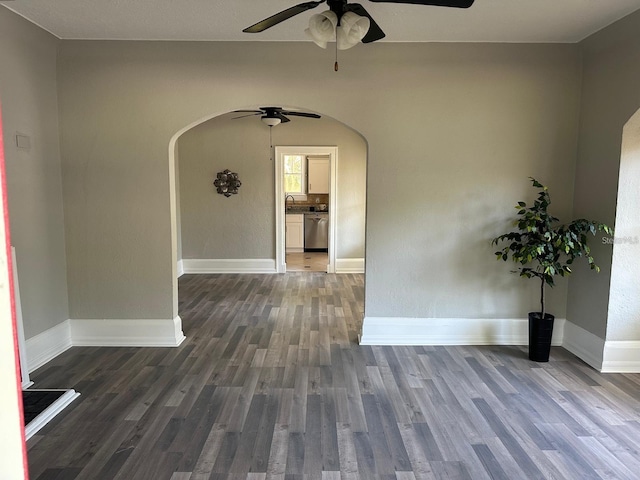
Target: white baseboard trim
[51, 411]
[451, 331]
[294, 250]
[227, 265]
[583, 344]
[47, 345]
[180, 268]
[349, 265]
[127, 333]
[621, 357]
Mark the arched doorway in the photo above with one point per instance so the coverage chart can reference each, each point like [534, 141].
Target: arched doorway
[238, 234]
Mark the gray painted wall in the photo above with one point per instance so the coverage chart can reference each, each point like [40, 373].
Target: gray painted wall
[243, 226]
[453, 131]
[28, 92]
[610, 96]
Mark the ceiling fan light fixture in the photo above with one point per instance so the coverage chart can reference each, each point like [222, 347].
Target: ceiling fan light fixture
[271, 121]
[351, 30]
[322, 28]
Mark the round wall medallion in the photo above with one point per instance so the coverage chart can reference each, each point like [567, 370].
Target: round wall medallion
[227, 183]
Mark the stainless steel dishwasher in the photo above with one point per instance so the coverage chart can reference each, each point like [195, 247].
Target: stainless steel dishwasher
[316, 232]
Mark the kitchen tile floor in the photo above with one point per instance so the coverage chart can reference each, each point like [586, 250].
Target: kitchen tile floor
[307, 262]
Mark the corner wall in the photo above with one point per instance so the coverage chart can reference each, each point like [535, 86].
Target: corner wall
[610, 96]
[28, 87]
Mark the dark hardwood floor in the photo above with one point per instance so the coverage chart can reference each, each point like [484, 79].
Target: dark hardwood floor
[271, 384]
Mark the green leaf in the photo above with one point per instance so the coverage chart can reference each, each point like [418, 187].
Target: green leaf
[536, 183]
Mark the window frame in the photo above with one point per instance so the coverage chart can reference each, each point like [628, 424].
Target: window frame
[303, 176]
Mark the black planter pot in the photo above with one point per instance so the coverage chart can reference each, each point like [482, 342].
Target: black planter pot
[540, 332]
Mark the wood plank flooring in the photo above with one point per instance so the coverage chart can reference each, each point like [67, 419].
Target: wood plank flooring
[271, 384]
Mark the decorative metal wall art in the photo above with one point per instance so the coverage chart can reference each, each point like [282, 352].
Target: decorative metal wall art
[227, 183]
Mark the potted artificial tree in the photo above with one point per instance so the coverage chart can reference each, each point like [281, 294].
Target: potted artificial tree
[545, 248]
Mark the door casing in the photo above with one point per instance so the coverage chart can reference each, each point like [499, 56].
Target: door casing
[332, 153]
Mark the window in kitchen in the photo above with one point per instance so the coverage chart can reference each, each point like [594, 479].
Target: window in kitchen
[294, 171]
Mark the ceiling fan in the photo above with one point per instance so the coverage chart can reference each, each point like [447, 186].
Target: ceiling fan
[343, 9]
[273, 116]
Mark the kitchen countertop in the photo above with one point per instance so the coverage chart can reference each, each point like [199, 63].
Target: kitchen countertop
[303, 210]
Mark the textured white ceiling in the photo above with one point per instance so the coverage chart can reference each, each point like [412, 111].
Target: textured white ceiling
[485, 21]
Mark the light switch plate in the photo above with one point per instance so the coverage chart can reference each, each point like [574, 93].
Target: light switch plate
[23, 141]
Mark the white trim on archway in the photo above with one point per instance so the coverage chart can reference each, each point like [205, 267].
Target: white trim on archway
[173, 207]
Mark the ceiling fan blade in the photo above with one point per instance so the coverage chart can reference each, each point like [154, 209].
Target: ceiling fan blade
[282, 118]
[281, 16]
[375, 32]
[437, 3]
[245, 116]
[301, 114]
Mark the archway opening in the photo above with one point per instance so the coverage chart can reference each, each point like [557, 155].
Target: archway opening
[212, 233]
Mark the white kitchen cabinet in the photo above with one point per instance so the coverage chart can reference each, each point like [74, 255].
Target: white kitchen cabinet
[318, 175]
[294, 237]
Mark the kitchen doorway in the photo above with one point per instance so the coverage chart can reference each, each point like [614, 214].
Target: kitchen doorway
[306, 218]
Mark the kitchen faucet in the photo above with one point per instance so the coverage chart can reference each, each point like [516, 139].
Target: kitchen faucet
[293, 200]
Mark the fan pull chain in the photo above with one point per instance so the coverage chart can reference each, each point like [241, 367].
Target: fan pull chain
[270, 144]
[335, 65]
